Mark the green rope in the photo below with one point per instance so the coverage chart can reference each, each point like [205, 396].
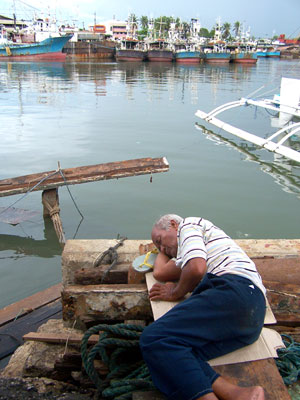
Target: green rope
[118, 347]
[288, 361]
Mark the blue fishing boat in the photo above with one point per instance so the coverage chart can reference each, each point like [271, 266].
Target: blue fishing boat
[273, 53]
[187, 56]
[217, 54]
[261, 53]
[244, 56]
[49, 50]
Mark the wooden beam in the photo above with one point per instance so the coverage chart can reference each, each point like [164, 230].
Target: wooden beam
[102, 274]
[59, 338]
[81, 253]
[90, 173]
[284, 299]
[255, 373]
[283, 270]
[252, 373]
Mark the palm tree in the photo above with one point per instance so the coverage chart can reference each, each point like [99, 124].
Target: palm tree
[144, 22]
[226, 30]
[132, 24]
[237, 28]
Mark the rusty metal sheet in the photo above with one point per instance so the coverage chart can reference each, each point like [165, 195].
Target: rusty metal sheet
[14, 216]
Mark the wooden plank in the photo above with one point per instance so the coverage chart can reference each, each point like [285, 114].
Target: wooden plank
[256, 373]
[102, 274]
[283, 270]
[12, 332]
[262, 373]
[159, 308]
[30, 303]
[285, 302]
[59, 338]
[90, 173]
[270, 247]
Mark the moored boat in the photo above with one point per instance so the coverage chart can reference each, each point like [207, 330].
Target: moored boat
[261, 52]
[131, 50]
[217, 54]
[216, 51]
[244, 57]
[191, 57]
[273, 53]
[188, 54]
[130, 55]
[160, 50]
[48, 49]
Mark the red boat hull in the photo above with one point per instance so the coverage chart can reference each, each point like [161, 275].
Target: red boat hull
[56, 56]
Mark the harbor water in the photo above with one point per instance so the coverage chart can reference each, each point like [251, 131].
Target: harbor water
[96, 112]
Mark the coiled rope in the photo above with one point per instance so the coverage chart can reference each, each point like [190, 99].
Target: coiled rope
[288, 361]
[118, 347]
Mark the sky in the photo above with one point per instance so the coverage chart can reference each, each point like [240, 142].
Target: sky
[265, 18]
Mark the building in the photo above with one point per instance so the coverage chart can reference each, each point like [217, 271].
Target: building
[112, 29]
[11, 24]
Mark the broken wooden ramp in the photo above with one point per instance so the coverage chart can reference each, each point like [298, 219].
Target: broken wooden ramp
[91, 173]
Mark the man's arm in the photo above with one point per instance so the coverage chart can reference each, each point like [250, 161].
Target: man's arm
[165, 269]
[190, 276]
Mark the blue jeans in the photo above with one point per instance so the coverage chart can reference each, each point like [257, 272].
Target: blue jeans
[223, 314]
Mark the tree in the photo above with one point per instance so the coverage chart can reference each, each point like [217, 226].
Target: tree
[226, 30]
[162, 25]
[144, 22]
[185, 30]
[132, 24]
[237, 28]
[204, 33]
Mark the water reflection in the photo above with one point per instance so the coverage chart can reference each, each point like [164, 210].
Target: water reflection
[285, 172]
[49, 78]
[32, 71]
[27, 246]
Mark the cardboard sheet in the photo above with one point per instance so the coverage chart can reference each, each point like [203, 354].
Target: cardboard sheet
[264, 347]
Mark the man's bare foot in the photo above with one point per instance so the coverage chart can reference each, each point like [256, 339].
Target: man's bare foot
[225, 390]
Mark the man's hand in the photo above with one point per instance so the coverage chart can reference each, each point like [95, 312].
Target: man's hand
[164, 292]
[190, 276]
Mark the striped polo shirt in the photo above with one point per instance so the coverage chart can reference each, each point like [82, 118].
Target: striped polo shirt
[198, 237]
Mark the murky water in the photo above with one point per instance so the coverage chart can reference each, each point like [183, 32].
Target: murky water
[90, 113]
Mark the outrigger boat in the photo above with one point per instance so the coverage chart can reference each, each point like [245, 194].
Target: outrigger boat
[287, 104]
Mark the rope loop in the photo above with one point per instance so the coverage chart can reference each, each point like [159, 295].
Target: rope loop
[112, 255]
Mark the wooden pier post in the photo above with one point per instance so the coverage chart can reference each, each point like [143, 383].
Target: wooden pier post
[51, 209]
